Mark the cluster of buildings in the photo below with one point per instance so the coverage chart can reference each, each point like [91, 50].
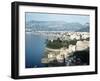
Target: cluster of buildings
[64, 52]
[53, 35]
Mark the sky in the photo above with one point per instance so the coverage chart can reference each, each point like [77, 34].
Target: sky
[73, 18]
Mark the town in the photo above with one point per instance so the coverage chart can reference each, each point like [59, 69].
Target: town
[60, 46]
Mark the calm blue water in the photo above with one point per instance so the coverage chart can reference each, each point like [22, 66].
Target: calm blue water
[34, 50]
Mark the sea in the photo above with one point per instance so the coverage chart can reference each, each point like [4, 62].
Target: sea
[34, 50]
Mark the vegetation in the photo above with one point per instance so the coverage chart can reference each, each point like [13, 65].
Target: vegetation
[56, 44]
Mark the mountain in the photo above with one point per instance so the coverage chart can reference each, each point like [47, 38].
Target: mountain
[85, 29]
[54, 26]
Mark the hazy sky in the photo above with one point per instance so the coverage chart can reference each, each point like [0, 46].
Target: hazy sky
[82, 19]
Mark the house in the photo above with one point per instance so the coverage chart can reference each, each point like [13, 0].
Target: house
[72, 48]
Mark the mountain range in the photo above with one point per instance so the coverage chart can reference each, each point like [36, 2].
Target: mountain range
[56, 26]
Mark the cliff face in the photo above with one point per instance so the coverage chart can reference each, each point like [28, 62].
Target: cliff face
[82, 45]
